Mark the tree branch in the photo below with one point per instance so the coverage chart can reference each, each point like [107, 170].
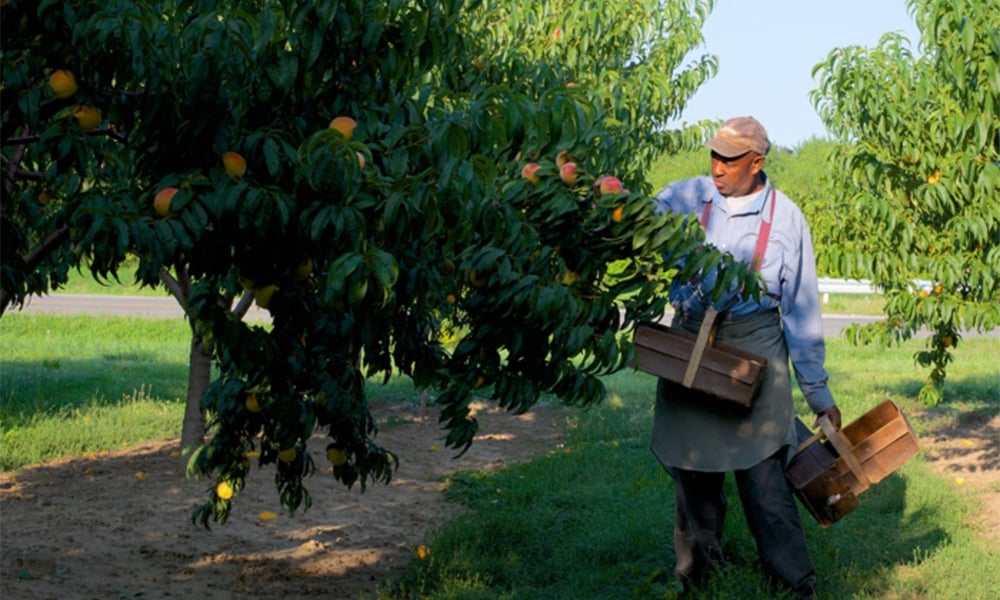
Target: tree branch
[184, 278]
[29, 175]
[35, 258]
[42, 250]
[174, 287]
[241, 308]
[22, 139]
[111, 132]
[15, 160]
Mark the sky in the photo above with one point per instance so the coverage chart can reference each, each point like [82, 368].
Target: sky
[768, 48]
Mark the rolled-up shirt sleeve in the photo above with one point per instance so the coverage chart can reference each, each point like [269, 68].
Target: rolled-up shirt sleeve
[802, 321]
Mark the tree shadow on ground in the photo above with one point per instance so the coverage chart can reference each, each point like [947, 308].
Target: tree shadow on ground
[36, 388]
[964, 427]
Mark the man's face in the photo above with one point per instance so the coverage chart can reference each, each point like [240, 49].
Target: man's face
[736, 176]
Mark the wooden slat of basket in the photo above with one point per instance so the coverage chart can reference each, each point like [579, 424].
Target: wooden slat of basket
[731, 362]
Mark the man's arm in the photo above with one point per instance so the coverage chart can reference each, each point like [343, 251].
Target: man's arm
[803, 322]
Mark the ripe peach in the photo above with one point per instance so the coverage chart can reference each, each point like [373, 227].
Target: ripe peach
[336, 456]
[87, 117]
[63, 84]
[562, 158]
[530, 172]
[567, 173]
[288, 454]
[234, 164]
[345, 126]
[224, 490]
[253, 404]
[162, 200]
[610, 185]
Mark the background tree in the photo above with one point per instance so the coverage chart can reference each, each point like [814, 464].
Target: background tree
[360, 169]
[916, 175]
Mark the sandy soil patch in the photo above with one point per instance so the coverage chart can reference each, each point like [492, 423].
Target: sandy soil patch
[967, 452]
[118, 525]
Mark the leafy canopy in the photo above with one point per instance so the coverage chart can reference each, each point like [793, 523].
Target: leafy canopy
[411, 246]
[916, 175]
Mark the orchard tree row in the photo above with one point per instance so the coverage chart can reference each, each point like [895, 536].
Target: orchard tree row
[914, 182]
[381, 177]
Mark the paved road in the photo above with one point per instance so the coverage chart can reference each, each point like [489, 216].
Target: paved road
[137, 306]
[167, 308]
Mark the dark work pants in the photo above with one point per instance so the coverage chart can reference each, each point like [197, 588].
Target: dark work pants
[771, 515]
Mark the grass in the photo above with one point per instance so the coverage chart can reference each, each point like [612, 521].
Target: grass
[72, 385]
[853, 304]
[594, 519]
[591, 520]
[75, 384]
[84, 283]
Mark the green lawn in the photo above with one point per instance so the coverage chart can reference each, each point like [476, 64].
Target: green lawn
[74, 384]
[590, 521]
[594, 520]
[84, 283]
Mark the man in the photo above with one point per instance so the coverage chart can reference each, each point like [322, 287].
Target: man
[699, 440]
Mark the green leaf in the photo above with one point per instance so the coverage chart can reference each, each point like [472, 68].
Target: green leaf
[272, 156]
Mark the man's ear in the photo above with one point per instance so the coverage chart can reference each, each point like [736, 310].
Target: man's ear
[757, 164]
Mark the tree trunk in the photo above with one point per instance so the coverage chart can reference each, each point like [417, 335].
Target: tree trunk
[199, 375]
[199, 359]
[199, 366]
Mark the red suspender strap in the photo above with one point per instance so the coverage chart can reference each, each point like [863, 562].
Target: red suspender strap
[762, 236]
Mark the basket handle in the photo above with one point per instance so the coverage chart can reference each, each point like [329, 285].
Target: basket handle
[705, 335]
[843, 448]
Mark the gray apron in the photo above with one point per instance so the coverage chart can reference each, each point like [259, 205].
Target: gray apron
[697, 432]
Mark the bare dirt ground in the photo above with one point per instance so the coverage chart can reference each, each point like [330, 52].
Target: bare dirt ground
[967, 452]
[117, 525]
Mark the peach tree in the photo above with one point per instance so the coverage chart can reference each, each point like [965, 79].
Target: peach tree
[381, 178]
[916, 176]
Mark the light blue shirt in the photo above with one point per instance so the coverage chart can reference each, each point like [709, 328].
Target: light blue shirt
[788, 270]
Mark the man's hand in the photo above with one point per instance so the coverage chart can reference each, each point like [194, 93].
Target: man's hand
[834, 415]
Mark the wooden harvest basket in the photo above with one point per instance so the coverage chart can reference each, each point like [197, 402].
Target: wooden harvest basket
[828, 476]
[722, 371]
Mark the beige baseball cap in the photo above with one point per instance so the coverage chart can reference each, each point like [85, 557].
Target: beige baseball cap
[740, 135]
